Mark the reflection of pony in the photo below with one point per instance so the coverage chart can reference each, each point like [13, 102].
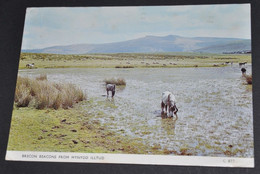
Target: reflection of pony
[112, 88]
[168, 124]
[168, 100]
[30, 65]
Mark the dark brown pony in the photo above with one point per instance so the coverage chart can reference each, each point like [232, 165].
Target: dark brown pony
[112, 88]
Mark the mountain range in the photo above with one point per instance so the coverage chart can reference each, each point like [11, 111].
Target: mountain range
[155, 44]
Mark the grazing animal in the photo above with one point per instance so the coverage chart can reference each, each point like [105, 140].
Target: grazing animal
[30, 65]
[112, 88]
[242, 63]
[168, 100]
[243, 70]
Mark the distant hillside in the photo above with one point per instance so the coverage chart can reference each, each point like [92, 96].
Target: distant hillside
[238, 45]
[153, 44]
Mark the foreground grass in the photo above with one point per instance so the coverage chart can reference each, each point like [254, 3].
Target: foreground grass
[130, 60]
[79, 129]
[72, 130]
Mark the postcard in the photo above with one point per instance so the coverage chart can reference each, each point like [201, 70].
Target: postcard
[159, 85]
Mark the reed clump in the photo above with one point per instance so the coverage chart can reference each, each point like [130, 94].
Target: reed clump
[124, 66]
[40, 93]
[118, 81]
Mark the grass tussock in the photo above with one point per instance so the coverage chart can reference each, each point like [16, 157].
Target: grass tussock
[124, 66]
[40, 93]
[118, 81]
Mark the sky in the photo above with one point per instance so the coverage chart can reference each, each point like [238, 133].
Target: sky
[52, 26]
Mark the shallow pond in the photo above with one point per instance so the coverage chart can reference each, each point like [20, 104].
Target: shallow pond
[215, 106]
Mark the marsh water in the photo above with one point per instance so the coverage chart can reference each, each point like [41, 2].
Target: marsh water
[215, 115]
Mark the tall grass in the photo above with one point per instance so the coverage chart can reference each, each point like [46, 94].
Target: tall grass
[42, 77]
[118, 82]
[40, 93]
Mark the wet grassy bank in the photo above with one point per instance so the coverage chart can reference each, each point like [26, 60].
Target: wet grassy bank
[71, 130]
[131, 60]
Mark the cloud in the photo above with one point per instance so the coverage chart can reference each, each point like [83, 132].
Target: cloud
[63, 26]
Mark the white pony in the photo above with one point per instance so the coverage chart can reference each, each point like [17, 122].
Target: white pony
[30, 65]
[168, 100]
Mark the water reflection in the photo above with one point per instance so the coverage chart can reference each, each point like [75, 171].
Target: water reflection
[111, 100]
[168, 124]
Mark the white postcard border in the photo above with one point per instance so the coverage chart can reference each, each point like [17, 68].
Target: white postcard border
[129, 159]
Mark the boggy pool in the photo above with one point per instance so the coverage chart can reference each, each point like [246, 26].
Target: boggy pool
[215, 106]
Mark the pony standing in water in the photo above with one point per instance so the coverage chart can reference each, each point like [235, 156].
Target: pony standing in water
[168, 100]
[112, 88]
